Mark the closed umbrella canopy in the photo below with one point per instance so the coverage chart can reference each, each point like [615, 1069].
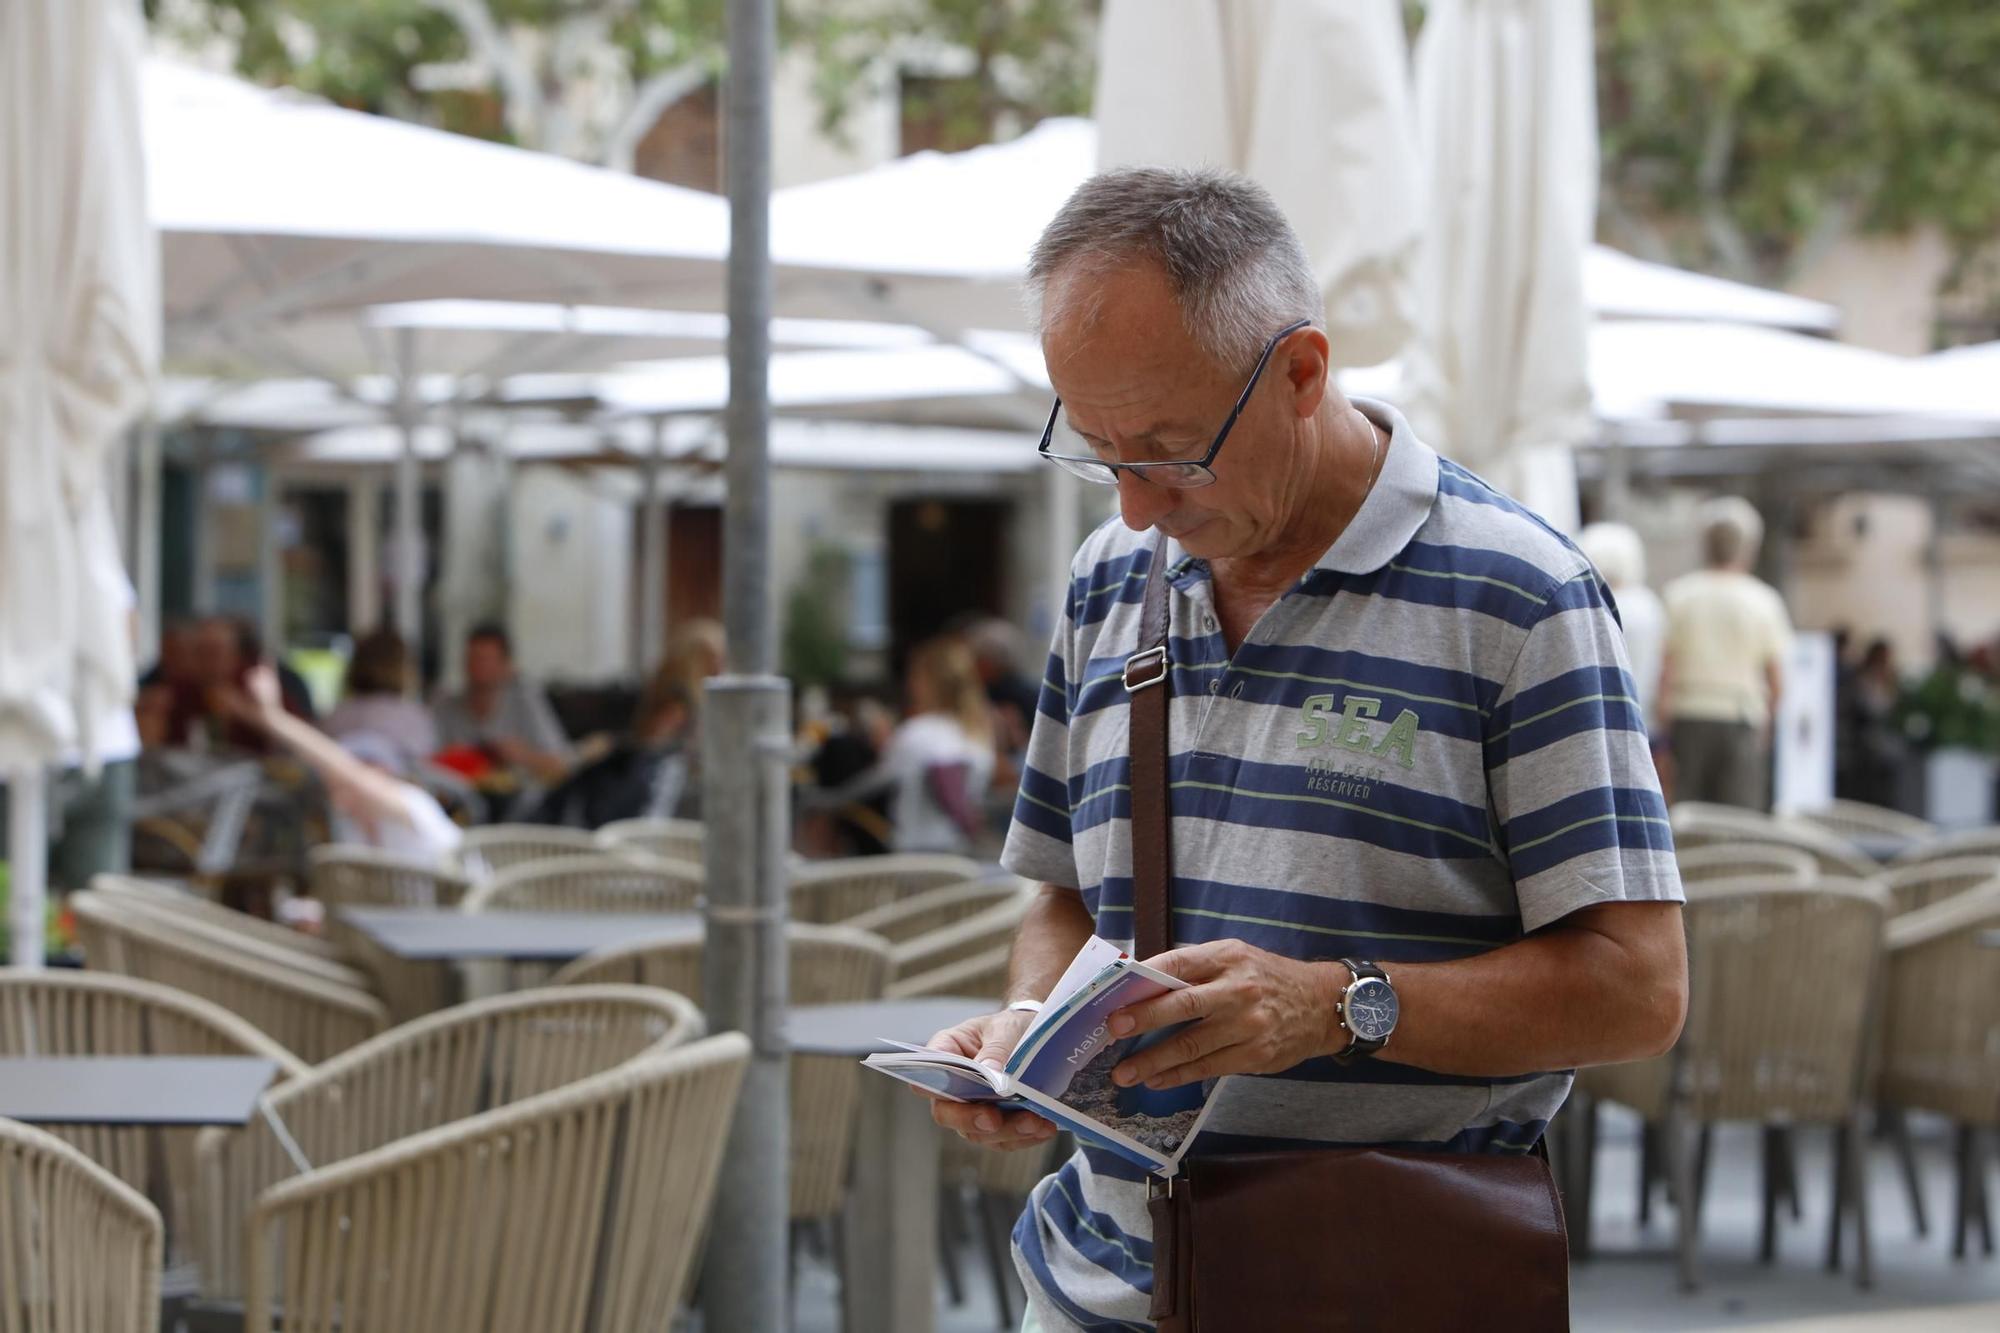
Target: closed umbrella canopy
[79, 341]
[1507, 115]
[1308, 97]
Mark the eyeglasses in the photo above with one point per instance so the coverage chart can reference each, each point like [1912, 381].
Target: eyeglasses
[1067, 448]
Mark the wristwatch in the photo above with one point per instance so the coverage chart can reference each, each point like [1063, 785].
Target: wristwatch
[1368, 1010]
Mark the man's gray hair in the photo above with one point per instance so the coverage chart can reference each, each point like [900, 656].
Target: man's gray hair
[1731, 531]
[1233, 261]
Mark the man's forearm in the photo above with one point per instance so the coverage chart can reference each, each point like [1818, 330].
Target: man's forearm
[1056, 927]
[1567, 996]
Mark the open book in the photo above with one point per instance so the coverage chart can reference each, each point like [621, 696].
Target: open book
[1061, 1069]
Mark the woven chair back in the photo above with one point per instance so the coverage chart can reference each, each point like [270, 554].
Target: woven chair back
[80, 1250]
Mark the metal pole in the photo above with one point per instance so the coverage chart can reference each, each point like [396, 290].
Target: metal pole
[270, 573]
[364, 538]
[652, 559]
[746, 724]
[28, 861]
[146, 536]
[409, 522]
[1064, 535]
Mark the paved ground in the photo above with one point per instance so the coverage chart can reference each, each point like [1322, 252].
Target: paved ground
[1630, 1286]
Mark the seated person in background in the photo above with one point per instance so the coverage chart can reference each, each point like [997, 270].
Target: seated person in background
[500, 711]
[376, 701]
[939, 761]
[859, 733]
[643, 775]
[372, 805]
[198, 711]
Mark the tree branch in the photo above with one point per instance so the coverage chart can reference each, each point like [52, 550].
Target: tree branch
[649, 102]
[521, 92]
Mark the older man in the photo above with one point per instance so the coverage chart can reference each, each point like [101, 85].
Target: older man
[1402, 733]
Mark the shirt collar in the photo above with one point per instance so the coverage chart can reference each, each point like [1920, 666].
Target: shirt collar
[1392, 511]
[1395, 506]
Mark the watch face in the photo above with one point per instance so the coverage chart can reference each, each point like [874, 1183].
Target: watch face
[1371, 1009]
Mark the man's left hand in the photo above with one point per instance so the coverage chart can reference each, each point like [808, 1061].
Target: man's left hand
[1256, 1012]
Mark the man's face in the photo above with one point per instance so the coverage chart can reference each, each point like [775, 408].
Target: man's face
[487, 664]
[215, 657]
[1135, 385]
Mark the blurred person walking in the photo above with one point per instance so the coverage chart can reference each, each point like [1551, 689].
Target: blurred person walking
[1727, 636]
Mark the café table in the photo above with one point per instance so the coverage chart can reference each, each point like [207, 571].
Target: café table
[167, 1091]
[441, 934]
[889, 1277]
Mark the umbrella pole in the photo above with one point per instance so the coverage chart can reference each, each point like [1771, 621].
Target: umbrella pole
[746, 746]
[27, 862]
[409, 523]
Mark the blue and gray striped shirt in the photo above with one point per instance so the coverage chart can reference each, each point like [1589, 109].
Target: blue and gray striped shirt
[1427, 748]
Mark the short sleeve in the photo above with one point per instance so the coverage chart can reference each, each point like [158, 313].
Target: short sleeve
[1039, 845]
[544, 732]
[1576, 802]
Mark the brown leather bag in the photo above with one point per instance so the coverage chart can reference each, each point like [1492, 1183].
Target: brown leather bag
[1344, 1239]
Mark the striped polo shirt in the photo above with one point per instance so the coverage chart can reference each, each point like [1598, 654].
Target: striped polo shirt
[1427, 748]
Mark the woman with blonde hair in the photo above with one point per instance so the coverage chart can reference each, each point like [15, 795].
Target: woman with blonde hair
[939, 761]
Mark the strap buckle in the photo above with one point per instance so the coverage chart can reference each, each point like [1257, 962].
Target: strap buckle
[1153, 658]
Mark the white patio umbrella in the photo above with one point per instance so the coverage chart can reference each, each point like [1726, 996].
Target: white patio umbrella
[79, 341]
[1498, 376]
[1308, 97]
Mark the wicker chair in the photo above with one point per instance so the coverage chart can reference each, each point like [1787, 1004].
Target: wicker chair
[496, 847]
[1700, 824]
[1944, 846]
[982, 974]
[967, 937]
[674, 839]
[1781, 984]
[829, 965]
[213, 927]
[80, 1250]
[192, 907]
[347, 876]
[1743, 860]
[1858, 819]
[632, 882]
[827, 893]
[309, 1015]
[934, 909]
[1942, 1018]
[64, 1012]
[580, 1210]
[445, 1067]
[1925, 883]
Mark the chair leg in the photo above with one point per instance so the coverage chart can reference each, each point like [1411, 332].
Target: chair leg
[1897, 1126]
[1788, 1171]
[1774, 1155]
[1962, 1194]
[1856, 1145]
[951, 1234]
[1703, 1143]
[1681, 1170]
[1982, 1210]
[1584, 1176]
[996, 1211]
[1649, 1170]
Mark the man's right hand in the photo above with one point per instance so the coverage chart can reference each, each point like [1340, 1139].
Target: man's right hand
[988, 1039]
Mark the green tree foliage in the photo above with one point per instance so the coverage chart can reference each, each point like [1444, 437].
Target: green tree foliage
[565, 75]
[1743, 133]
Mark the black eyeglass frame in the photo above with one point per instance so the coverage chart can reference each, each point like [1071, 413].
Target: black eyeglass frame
[1139, 470]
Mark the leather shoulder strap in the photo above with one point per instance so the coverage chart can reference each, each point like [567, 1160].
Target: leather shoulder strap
[1149, 687]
